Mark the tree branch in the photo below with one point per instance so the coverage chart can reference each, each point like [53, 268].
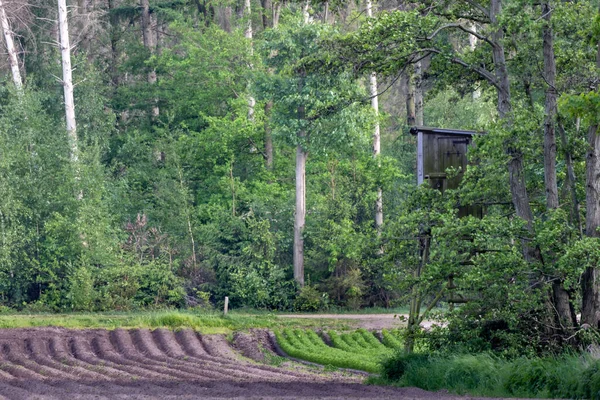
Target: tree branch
[464, 29]
[487, 75]
[479, 7]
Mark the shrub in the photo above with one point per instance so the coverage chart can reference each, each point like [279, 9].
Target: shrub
[310, 299]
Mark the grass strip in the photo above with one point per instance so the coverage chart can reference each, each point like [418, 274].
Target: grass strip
[207, 322]
[566, 376]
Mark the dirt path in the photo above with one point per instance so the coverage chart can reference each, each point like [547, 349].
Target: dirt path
[56, 363]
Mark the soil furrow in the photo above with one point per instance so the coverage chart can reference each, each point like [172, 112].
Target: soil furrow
[164, 341]
[40, 353]
[194, 348]
[82, 350]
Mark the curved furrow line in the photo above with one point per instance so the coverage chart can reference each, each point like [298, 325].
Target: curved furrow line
[180, 344]
[161, 344]
[30, 376]
[40, 353]
[127, 373]
[118, 345]
[217, 344]
[59, 350]
[19, 354]
[82, 350]
[57, 376]
[128, 343]
[193, 347]
[124, 381]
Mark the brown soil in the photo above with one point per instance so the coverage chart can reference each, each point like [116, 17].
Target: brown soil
[55, 363]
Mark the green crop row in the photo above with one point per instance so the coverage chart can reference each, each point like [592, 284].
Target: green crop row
[392, 339]
[360, 342]
[307, 345]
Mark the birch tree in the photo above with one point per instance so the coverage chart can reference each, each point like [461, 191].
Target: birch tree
[376, 133]
[67, 81]
[10, 48]
[248, 35]
[149, 40]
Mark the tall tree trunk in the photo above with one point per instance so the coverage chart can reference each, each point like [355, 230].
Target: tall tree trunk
[560, 297]
[419, 94]
[518, 187]
[65, 50]
[411, 118]
[268, 136]
[274, 22]
[276, 13]
[590, 281]
[473, 40]
[570, 182]
[10, 48]
[301, 156]
[305, 13]
[149, 43]
[376, 134]
[248, 35]
[550, 110]
[300, 216]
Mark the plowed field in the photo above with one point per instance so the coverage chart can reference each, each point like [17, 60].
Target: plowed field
[55, 363]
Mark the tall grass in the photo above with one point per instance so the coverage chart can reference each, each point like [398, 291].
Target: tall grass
[567, 376]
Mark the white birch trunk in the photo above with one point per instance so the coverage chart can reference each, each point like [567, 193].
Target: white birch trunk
[65, 50]
[10, 48]
[473, 40]
[248, 35]
[150, 44]
[376, 133]
[305, 11]
[300, 215]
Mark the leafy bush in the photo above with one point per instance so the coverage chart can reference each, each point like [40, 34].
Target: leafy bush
[310, 299]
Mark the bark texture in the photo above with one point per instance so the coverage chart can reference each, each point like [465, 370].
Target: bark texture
[410, 101]
[376, 133]
[565, 318]
[590, 280]
[550, 111]
[65, 50]
[10, 48]
[150, 44]
[419, 94]
[248, 35]
[300, 215]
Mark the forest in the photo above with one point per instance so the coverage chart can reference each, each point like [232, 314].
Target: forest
[168, 153]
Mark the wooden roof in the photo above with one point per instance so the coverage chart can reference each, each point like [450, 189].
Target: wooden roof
[442, 131]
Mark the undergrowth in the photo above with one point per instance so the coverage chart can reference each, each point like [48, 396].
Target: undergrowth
[566, 376]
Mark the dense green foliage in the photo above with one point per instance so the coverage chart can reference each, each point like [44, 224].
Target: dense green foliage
[184, 191]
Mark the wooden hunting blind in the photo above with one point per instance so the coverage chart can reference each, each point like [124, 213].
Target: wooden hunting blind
[439, 149]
